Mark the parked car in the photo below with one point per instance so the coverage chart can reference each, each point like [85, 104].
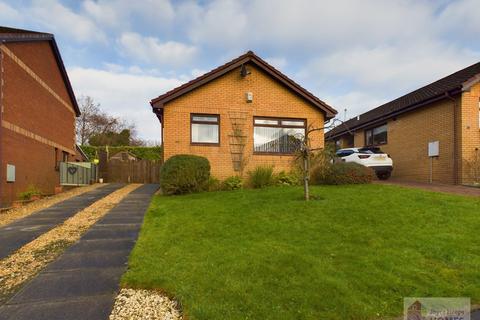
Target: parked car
[371, 157]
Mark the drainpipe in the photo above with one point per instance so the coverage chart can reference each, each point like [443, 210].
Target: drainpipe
[455, 136]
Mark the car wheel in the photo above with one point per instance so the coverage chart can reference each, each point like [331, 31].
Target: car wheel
[384, 175]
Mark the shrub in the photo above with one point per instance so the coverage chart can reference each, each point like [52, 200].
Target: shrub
[29, 193]
[213, 184]
[342, 173]
[184, 174]
[232, 183]
[288, 178]
[261, 177]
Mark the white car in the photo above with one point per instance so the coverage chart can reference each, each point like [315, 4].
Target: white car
[371, 157]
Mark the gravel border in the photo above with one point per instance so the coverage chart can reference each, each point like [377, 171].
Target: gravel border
[139, 304]
[10, 215]
[26, 262]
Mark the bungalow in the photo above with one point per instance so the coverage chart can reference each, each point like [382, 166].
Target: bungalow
[240, 115]
[432, 133]
[38, 110]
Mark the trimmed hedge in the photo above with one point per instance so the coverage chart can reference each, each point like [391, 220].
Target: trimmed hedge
[183, 173]
[147, 153]
[342, 173]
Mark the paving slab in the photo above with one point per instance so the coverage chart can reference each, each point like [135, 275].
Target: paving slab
[84, 281]
[18, 233]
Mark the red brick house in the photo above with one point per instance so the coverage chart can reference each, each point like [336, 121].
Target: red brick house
[240, 115]
[38, 111]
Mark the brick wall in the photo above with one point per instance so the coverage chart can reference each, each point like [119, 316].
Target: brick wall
[37, 120]
[470, 135]
[227, 94]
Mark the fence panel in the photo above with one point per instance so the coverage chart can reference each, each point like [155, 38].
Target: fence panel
[77, 173]
[133, 171]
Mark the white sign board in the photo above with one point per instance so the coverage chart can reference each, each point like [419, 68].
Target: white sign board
[433, 149]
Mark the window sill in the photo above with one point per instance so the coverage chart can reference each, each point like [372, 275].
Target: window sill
[272, 154]
[205, 144]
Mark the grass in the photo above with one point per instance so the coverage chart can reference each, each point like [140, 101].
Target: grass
[265, 254]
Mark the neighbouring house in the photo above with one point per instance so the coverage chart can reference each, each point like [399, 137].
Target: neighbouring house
[432, 133]
[240, 115]
[38, 110]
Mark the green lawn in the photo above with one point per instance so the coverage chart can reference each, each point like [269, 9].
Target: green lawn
[266, 254]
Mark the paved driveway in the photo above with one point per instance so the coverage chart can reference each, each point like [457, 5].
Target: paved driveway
[16, 234]
[83, 282]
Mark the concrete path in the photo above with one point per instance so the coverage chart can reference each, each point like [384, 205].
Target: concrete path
[16, 234]
[83, 282]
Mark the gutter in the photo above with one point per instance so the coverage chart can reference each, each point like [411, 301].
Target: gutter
[383, 118]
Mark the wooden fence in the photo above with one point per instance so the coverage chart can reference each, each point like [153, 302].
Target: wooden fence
[132, 171]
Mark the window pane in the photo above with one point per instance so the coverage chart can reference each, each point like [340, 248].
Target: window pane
[380, 134]
[278, 140]
[368, 137]
[293, 123]
[205, 118]
[204, 133]
[266, 121]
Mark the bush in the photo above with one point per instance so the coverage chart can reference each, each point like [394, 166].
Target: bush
[288, 178]
[29, 193]
[342, 173]
[213, 184]
[232, 183]
[261, 177]
[184, 174]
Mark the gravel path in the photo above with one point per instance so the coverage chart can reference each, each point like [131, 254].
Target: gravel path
[34, 256]
[84, 281]
[132, 304]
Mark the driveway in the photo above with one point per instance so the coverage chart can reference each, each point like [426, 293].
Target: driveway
[16, 234]
[437, 187]
[83, 282]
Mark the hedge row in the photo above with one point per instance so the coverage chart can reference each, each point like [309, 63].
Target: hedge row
[147, 153]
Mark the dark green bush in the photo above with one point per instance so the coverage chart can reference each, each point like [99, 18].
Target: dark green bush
[184, 174]
[261, 177]
[342, 173]
[232, 183]
[147, 153]
[288, 178]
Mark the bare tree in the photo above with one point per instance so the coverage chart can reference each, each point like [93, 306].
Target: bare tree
[306, 153]
[94, 123]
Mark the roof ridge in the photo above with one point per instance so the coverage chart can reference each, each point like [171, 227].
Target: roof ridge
[248, 56]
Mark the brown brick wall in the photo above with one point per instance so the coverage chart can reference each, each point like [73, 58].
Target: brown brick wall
[28, 105]
[227, 94]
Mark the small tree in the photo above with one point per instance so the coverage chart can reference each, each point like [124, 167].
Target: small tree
[306, 153]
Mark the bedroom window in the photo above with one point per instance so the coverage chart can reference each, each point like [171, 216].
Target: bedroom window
[376, 136]
[276, 135]
[205, 129]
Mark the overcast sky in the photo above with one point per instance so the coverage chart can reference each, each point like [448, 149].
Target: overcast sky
[354, 55]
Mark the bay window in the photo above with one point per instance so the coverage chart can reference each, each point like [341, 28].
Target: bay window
[276, 135]
[376, 136]
[205, 129]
